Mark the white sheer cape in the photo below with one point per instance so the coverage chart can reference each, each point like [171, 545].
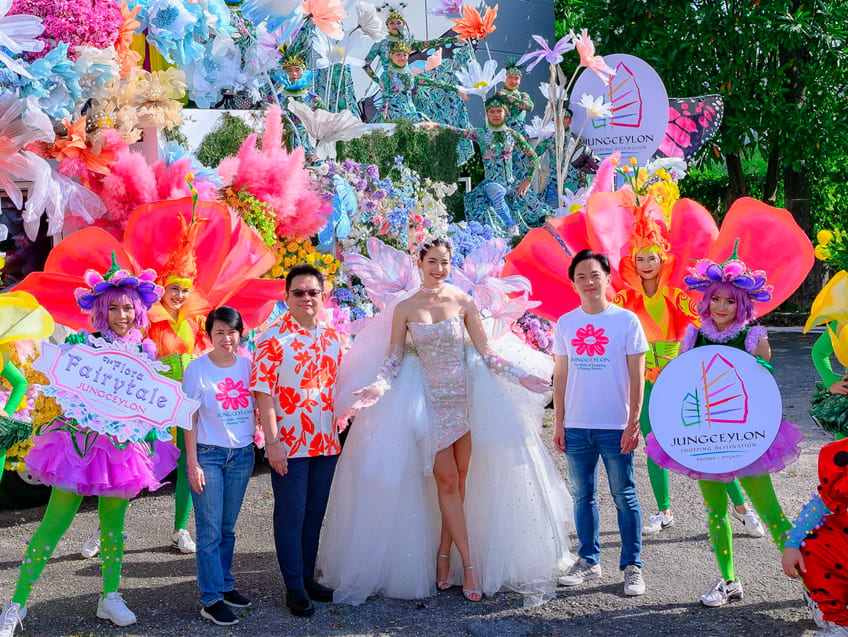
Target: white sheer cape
[382, 527]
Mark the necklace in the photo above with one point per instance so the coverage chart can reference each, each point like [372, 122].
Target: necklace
[432, 291]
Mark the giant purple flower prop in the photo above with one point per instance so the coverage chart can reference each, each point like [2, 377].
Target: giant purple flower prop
[552, 56]
[735, 272]
[448, 7]
[143, 283]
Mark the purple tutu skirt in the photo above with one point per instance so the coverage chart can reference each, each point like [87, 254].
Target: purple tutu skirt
[782, 453]
[89, 463]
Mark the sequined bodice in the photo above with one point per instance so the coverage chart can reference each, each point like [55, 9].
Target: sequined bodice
[441, 349]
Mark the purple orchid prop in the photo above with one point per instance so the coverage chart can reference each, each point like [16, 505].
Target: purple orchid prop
[448, 7]
[552, 56]
[735, 272]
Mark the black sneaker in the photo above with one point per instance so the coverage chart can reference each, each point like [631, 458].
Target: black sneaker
[236, 600]
[219, 613]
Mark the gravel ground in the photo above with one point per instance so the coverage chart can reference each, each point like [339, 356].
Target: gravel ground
[158, 583]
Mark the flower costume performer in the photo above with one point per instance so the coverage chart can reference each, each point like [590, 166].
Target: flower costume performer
[72, 455]
[399, 87]
[665, 312]
[21, 318]
[500, 200]
[830, 401]
[445, 449]
[817, 548]
[177, 332]
[729, 290]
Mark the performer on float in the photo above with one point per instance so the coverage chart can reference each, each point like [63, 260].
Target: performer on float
[454, 411]
[21, 319]
[295, 85]
[77, 460]
[577, 158]
[398, 32]
[399, 87]
[518, 105]
[340, 94]
[500, 200]
[448, 107]
[665, 313]
[817, 547]
[726, 308]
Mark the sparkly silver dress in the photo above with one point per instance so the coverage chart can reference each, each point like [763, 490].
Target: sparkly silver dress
[381, 530]
[441, 349]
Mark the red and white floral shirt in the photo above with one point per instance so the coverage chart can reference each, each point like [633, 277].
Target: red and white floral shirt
[298, 369]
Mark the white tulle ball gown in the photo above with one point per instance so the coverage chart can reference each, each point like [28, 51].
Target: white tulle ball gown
[381, 532]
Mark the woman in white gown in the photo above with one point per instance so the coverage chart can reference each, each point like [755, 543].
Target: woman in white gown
[408, 487]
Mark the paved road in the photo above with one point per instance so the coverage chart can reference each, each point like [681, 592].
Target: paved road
[158, 583]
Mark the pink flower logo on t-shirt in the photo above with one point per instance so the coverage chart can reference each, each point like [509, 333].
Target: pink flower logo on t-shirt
[232, 395]
[590, 341]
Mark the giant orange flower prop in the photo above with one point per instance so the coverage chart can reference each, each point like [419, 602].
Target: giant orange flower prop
[326, 15]
[75, 146]
[474, 27]
[123, 46]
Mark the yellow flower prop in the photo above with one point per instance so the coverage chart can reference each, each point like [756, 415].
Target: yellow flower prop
[831, 305]
[290, 252]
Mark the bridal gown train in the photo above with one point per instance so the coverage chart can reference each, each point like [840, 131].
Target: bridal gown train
[381, 532]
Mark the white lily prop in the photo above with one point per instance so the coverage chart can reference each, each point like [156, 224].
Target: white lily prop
[539, 129]
[369, 21]
[18, 33]
[552, 95]
[479, 80]
[595, 106]
[326, 128]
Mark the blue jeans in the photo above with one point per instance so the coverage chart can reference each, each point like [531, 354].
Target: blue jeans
[227, 472]
[300, 500]
[582, 448]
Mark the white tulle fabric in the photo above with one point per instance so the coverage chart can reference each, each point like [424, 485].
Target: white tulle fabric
[382, 527]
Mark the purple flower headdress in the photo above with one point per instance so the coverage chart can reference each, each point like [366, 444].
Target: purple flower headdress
[144, 284]
[733, 271]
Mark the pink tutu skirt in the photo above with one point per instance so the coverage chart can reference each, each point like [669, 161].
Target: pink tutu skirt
[89, 463]
[782, 453]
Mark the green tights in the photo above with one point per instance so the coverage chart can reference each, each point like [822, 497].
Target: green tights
[659, 476]
[182, 497]
[61, 510]
[761, 493]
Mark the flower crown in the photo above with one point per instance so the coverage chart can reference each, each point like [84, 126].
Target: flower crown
[116, 277]
[513, 67]
[401, 47]
[395, 15]
[733, 271]
[496, 100]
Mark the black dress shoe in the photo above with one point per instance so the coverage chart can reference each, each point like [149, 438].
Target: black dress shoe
[299, 603]
[318, 592]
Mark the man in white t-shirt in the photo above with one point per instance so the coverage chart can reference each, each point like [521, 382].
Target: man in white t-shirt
[599, 350]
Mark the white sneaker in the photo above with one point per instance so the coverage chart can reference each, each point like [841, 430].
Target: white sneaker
[182, 540]
[722, 592]
[633, 582]
[113, 608]
[658, 522]
[12, 617]
[91, 546]
[580, 572]
[815, 611]
[750, 522]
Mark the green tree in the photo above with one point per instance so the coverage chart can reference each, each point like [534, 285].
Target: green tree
[781, 66]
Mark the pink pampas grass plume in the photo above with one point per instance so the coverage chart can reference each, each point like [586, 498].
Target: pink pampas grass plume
[278, 178]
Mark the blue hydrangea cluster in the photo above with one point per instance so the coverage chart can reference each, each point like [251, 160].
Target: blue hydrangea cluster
[466, 237]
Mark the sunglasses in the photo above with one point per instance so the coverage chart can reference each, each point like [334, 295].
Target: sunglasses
[299, 294]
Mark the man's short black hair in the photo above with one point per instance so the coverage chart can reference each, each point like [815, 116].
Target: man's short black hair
[585, 255]
[304, 269]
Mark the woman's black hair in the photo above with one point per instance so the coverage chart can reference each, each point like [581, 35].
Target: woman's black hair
[585, 255]
[225, 314]
[434, 243]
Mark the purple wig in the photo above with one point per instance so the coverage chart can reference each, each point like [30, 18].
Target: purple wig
[744, 304]
[100, 309]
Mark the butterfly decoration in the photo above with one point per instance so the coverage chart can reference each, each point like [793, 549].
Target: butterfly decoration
[692, 122]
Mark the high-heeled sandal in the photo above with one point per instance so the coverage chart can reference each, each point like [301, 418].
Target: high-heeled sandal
[471, 595]
[443, 586]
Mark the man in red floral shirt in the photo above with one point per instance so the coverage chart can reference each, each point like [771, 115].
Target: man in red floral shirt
[294, 371]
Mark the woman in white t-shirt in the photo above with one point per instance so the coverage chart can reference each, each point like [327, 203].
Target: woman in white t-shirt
[219, 459]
